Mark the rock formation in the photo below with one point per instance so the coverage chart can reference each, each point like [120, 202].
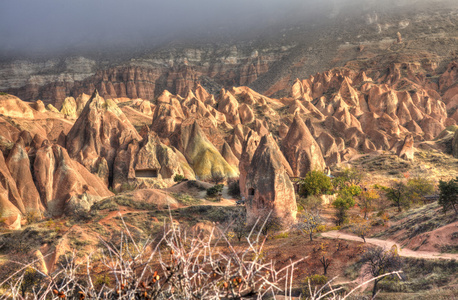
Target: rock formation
[65, 186]
[149, 162]
[98, 134]
[248, 148]
[204, 158]
[268, 185]
[301, 150]
[406, 149]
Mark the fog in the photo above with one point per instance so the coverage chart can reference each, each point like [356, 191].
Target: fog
[51, 26]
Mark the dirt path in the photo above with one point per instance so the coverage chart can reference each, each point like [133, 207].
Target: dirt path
[388, 244]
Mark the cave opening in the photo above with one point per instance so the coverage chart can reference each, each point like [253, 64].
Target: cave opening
[146, 173]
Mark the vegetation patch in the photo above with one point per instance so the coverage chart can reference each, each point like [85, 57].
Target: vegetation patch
[418, 221]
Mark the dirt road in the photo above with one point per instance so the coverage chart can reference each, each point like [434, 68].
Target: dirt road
[388, 244]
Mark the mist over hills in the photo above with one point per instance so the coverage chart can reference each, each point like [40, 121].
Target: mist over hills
[118, 29]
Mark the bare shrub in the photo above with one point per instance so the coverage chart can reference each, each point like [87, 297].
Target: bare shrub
[178, 266]
[175, 265]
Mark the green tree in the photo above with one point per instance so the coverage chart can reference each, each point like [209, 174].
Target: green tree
[448, 194]
[365, 201]
[349, 176]
[343, 203]
[418, 187]
[398, 193]
[315, 183]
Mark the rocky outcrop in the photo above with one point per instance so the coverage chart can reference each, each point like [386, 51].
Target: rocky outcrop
[328, 148]
[227, 154]
[65, 186]
[301, 150]
[150, 163]
[50, 184]
[268, 185]
[203, 157]
[11, 204]
[99, 133]
[248, 148]
[69, 107]
[406, 149]
[18, 164]
[11, 106]
[173, 69]
[229, 106]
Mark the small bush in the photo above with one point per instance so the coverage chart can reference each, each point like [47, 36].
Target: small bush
[282, 235]
[316, 279]
[32, 216]
[109, 204]
[102, 280]
[214, 190]
[178, 178]
[353, 190]
[314, 282]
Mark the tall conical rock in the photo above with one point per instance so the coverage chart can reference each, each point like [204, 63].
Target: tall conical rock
[98, 134]
[301, 150]
[202, 155]
[268, 184]
[249, 146]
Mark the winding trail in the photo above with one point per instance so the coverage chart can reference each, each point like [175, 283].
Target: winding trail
[388, 244]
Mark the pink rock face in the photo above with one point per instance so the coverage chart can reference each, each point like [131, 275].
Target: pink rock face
[246, 114]
[268, 185]
[297, 90]
[227, 154]
[59, 184]
[98, 134]
[248, 148]
[69, 186]
[301, 150]
[449, 77]
[150, 159]
[455, 145]
[327, 144]
[283, 130]
[18, 164]
[11, 204]
[228, 105]
[348, 93]
[431, 128]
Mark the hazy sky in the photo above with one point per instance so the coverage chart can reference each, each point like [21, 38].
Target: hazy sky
[52, 25]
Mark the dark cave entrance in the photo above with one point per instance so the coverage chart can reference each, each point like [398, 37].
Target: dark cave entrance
[146, 173]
